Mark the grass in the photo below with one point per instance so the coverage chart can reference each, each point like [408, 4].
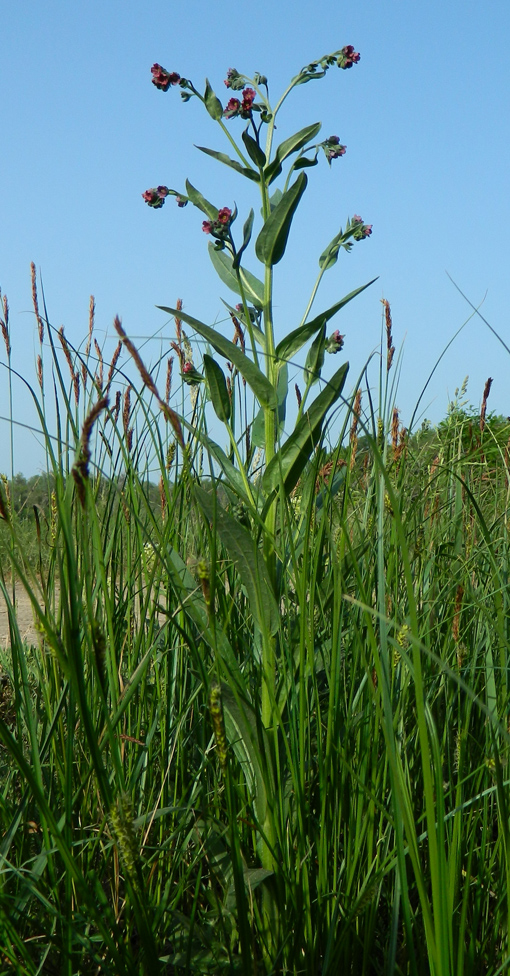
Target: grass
[151, 819]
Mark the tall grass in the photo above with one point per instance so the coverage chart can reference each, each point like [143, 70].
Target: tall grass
[152, 819]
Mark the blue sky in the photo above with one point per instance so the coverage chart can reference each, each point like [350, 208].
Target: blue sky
[425, 119]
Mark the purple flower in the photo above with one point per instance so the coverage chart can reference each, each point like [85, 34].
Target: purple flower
[347, 57]
[335, 342]
[180, 201]
[207, 226]
[333, 148]
[362, 230]
[163, 79]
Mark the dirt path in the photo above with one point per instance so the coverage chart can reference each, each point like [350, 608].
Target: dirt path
[25, 619]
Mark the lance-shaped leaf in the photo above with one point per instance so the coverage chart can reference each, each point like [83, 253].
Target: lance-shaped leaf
[255, 378]
[247, 229]
[254, 151]
[292, 343]
[288, 463]
[242, 549]
[288, 146]
[217, 388]
[212, 102]
[329, 256]
[253, 287]
[315, 358]
[199, 201]
[272, 240]
[247, 739]
[258, 430]
[223, 158]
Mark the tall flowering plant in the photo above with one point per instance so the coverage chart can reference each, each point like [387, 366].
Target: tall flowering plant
[248, 122]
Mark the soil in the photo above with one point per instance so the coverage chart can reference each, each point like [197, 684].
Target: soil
[24, 616]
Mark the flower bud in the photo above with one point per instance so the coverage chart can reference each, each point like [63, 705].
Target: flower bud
[335, 342]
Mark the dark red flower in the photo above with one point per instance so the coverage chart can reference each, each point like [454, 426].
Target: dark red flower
[347, 57]
[224, 215]
[188, 367]
[232, 109]
[248, 100]
[207, 226]
[162, 78]
[155, 197]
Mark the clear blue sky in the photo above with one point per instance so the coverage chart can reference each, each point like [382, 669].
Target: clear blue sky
[425, 120]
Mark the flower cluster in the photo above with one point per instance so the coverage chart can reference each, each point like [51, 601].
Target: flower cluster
[244, 108]
[333, 148]
[220, 227]
[155, 197]
[362, 230]
[234, 80]
[190, 375]
[163, 79]
[335, 342]
[347, 57]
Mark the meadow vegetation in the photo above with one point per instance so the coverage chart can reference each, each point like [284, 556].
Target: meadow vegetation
[264, 728]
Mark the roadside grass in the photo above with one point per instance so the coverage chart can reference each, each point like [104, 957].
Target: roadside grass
[150, 820]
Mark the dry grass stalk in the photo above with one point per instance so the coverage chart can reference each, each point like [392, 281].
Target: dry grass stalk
[389, 338]
[80, 469]
[298, 395]
[67, 353]
[35, 302]
[456, 613]
[4, 325]
[40, 371]
[170, 414]
[113, 366]
[353, 436]
[98, 378]
[238, 333]
[178, 322]
[168, 387]
[128, 431]
[483, 409]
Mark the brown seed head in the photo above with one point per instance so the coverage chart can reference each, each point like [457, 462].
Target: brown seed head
[35, 302]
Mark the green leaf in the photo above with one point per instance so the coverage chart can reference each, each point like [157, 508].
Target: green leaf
[242, 549]
[254, 151]
[315, 359]
[253, 288]
[247, 229]
[258, 430]
[329, 256]
[217, 388]
[292, 343]
[212, 103]
[243, 734]
[272, 240]
[290, 460]
[253, 375]
[304, 161]
[199, 201]
[251, 174]
[193, 604]
[290, 145]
